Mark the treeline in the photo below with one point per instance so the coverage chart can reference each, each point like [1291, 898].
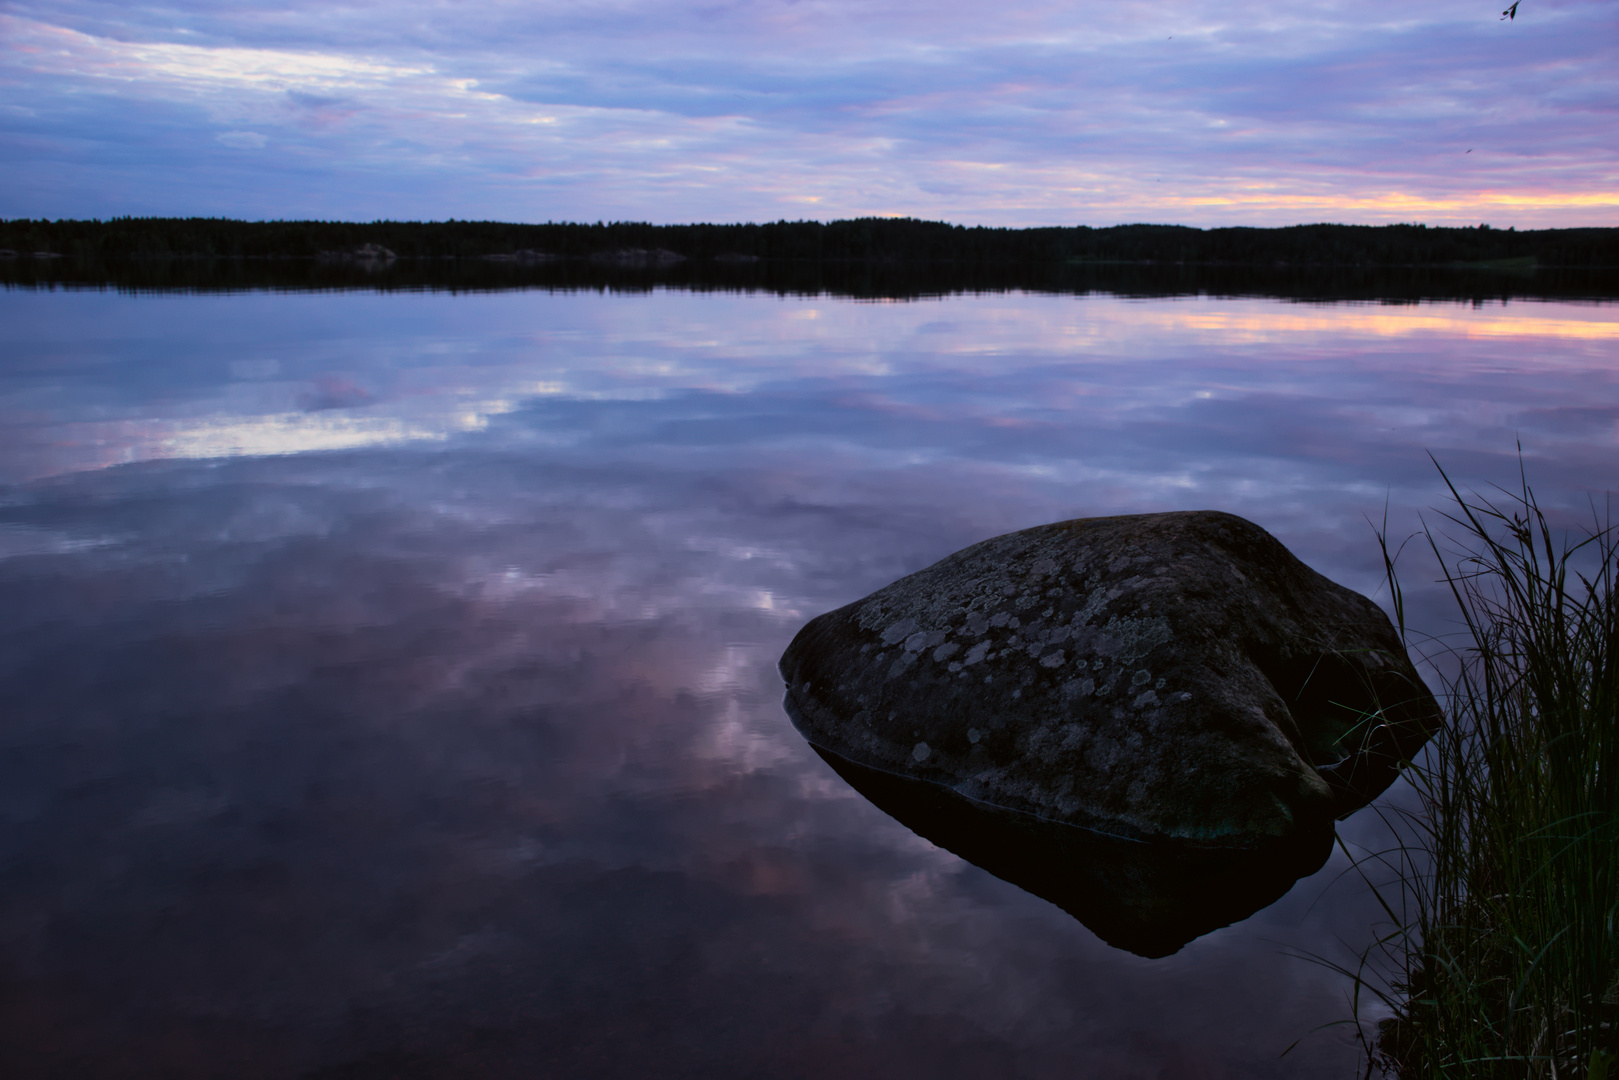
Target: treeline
[888, 280]
[862, 240]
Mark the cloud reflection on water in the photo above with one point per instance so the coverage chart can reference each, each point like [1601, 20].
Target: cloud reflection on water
[352, 775]
[464, 756]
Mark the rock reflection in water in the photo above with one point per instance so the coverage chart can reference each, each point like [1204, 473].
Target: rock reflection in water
[1151, 720]
[1149, 897]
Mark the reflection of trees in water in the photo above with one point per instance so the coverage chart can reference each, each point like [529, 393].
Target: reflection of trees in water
[859, 279]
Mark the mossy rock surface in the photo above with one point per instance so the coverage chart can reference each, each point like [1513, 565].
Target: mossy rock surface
[1177, 677]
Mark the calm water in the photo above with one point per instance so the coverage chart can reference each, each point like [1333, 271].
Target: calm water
[387, 684]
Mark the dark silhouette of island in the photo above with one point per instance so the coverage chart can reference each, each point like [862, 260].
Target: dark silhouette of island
[871, 257]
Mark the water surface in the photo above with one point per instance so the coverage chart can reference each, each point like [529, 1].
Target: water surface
[387, 684]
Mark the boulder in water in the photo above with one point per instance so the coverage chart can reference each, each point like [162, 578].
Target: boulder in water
[1175, 678]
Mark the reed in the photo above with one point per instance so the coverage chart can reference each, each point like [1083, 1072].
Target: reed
[1504, 895]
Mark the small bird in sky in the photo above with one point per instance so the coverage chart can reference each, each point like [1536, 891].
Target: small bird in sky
[1511, 12]
[1469, 150]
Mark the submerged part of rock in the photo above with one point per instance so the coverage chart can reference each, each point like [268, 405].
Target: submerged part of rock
[1176, 679]
[1150, 898]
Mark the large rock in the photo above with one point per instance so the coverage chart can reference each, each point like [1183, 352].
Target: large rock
[1162, 677]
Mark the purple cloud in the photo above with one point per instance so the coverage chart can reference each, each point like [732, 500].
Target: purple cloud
[334, 392]
[1203, 113]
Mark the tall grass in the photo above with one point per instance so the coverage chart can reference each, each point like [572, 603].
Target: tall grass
[1506, 893]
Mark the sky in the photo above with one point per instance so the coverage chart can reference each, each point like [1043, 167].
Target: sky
[1017, 113]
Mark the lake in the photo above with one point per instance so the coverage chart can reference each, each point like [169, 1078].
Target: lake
[388, 685]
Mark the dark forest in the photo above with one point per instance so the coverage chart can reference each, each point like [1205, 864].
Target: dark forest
[863, 240]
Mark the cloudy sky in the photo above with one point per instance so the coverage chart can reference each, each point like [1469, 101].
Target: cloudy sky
[1019, 112]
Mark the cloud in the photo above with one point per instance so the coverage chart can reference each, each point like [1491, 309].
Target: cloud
[1038, 113]
[334, 392]
[241, 140]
